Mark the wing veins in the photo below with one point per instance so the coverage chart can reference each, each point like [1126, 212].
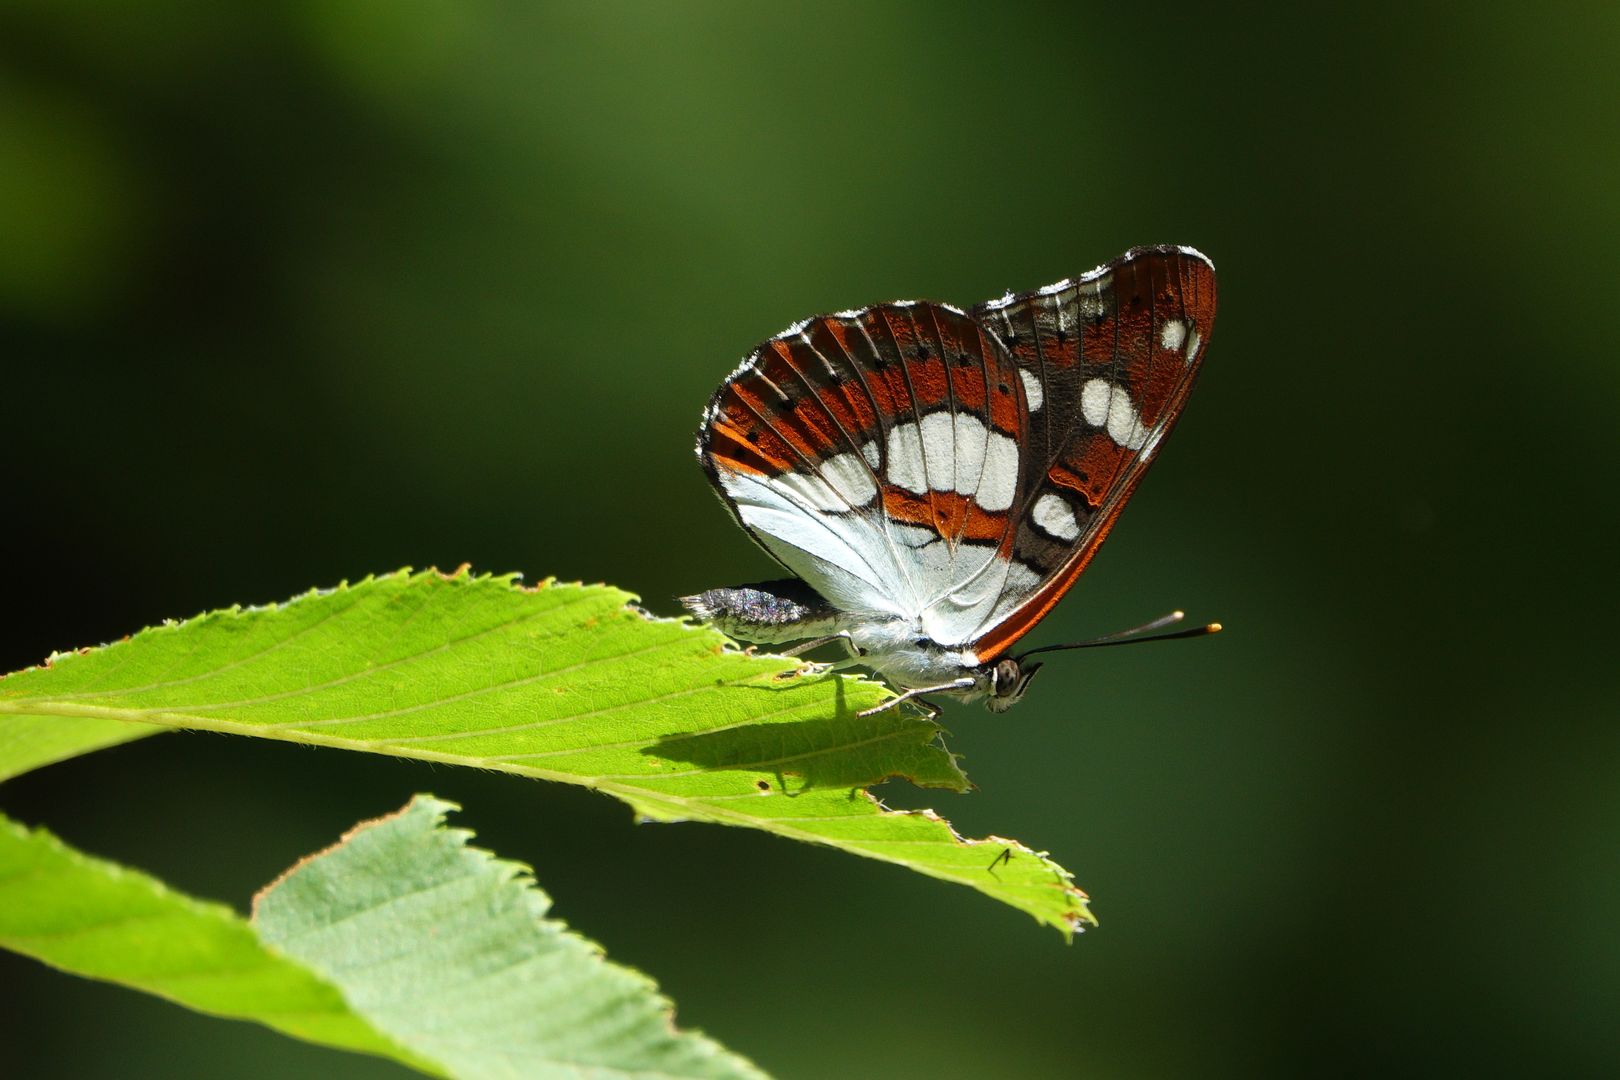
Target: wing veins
[916, 412]
[987, 347]
[809, 510]
[849, 440]
[884, 429]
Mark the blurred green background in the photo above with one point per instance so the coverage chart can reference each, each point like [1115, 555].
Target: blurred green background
[290, 293]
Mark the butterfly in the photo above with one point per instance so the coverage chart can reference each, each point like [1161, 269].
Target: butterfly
[937, 479]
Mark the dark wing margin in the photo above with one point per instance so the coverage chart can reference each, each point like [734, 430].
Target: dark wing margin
[1108, 360]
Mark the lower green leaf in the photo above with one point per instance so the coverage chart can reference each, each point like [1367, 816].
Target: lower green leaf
[447, 949]
[400, 941]
[100, 920]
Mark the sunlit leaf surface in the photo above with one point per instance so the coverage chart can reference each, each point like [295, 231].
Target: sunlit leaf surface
[559, 682]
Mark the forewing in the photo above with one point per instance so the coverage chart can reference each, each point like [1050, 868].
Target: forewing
[876, 454]
[1107, 361]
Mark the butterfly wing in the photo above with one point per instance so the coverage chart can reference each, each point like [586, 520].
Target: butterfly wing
[876, 454]
[1108, 361]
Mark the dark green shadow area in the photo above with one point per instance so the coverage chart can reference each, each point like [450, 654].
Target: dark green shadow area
[844, 750]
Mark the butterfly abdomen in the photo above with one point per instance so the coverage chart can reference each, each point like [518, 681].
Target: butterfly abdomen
[767, 612]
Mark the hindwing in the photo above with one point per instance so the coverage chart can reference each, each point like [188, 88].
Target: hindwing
[1112, 356]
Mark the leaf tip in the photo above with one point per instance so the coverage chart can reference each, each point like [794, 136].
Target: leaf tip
[436, 808]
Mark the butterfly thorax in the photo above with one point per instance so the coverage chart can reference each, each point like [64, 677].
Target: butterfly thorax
[902, 654]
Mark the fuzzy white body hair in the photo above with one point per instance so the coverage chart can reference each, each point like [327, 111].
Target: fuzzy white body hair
[897, 650]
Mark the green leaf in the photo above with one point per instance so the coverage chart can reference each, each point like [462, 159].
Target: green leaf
[100, 920]
[400, 941]
[558, 682]
[27, 742]
[448, 950]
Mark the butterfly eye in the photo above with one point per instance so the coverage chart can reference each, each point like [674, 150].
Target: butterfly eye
[1008, 681]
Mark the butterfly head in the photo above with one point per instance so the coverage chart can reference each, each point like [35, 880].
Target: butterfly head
[1009, 678]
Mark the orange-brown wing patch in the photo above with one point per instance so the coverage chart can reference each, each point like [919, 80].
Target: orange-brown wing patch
[855, 389]
[948, 514]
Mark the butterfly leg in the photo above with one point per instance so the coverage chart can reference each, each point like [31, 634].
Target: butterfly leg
[806, 646]
[964, 683]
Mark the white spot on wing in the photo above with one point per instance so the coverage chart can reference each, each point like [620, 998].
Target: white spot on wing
[1173, 335]
[962, 455]
[1094, 401]
[906, 459]
[1032, 388]
[871, 453]
[1108, 406]
[975, 462]
[1123, 425]
[1000, 480]
[1193, 342]
[939, 444]
[971, 438]
[1055, 517]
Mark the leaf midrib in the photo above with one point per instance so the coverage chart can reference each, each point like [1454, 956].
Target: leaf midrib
[614, 785]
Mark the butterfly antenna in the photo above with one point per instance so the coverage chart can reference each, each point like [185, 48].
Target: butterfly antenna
[1130, 637]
